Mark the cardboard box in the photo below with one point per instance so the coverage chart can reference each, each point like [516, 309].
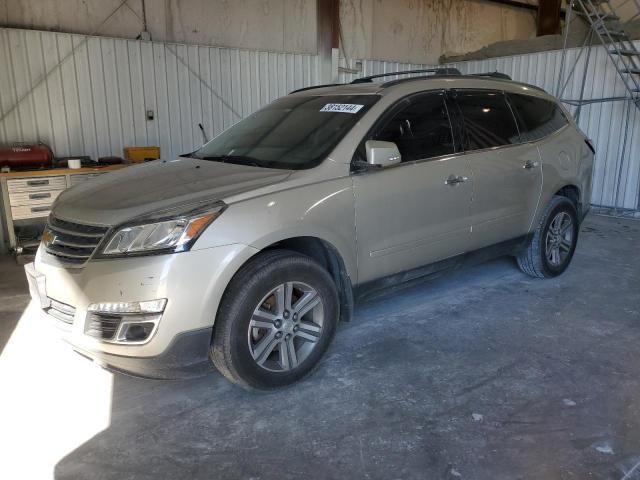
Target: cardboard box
[141, 154]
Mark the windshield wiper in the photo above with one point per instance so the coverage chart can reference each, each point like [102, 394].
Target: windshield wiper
[237, 159]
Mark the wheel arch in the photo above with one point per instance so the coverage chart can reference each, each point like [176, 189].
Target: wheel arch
[323, 252]
[565, 189]
[573, 193]
[329, 258]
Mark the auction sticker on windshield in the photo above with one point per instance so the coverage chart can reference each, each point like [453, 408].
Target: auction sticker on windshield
[342, 107]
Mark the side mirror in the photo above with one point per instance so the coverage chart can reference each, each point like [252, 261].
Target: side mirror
[382, 154]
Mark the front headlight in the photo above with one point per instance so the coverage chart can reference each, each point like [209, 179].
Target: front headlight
[168, 231]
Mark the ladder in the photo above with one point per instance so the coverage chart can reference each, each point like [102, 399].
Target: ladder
[607, 26]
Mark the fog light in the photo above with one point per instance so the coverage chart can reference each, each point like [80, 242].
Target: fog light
[124, 322]
[136, 332]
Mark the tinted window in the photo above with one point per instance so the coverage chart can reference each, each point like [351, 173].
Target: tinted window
[537, 117]
[421, 129]
[487, 118]
[294, 132]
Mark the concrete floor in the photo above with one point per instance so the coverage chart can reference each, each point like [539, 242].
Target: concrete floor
[484, 373]
[14, 296]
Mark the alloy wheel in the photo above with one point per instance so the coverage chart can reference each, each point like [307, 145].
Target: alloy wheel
[559, 239]
[285, 326]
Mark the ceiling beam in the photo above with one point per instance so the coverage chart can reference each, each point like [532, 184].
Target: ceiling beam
[534, 7]
[548, 19]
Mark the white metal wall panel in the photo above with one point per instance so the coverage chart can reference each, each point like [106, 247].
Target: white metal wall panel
[89, 95]
[374, 67]
[616, 178]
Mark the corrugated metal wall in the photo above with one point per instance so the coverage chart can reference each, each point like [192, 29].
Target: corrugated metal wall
[88, 95]
[616, 180]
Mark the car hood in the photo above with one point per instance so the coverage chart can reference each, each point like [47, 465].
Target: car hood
[119, 196]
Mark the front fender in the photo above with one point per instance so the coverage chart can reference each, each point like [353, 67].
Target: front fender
[324, 210]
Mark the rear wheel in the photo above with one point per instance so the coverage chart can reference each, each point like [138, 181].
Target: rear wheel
[551, 248]
[275, 321]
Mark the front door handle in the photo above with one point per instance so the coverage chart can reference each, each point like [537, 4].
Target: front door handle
[529, 164]
[455, 180]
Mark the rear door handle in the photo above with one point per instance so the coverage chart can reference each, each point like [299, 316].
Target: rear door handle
[529, 164]
[455, 180]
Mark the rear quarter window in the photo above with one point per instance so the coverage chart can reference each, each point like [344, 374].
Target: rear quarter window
[537, 117]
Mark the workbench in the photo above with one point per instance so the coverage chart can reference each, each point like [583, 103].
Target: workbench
[27, 196]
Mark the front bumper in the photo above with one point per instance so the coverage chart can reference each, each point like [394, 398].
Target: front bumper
[187, 356]
[192, 282]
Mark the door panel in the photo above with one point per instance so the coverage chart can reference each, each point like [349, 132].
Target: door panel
[507, 184]
[542, 121]
[412, 214]
[408, 216]
[507, 174]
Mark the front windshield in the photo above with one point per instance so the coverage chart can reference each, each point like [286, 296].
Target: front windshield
[294, 132]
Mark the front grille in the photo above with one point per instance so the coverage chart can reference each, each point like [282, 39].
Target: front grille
[72, 243]
[61, 311]
[102, 325]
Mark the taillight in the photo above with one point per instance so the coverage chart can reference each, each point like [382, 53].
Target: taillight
[590, 144]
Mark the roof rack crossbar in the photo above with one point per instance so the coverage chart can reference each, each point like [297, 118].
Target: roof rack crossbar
[435, 71]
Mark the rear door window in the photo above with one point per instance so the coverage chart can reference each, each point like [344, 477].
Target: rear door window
[536, 117]
[487, 119]
[421, 129]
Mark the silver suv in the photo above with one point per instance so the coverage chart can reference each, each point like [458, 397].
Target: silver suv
[248, 251]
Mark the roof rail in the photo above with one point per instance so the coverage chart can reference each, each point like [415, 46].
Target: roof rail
[495, 74]
[435, 71]
[503, 77]
[316, 86]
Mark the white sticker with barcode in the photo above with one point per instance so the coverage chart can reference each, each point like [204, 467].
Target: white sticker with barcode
[342, 107]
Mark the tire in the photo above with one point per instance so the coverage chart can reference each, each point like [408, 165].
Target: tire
[538, 259]
[256, 331]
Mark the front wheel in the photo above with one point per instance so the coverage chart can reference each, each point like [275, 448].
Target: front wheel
[554, 241]
[275, 321]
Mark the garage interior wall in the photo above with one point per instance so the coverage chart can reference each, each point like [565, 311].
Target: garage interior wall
[399, 30]
[274, 25]
[90, 95]
[93, 101]
[417, 31]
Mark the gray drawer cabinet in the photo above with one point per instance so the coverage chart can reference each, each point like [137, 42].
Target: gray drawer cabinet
[28, 196]
[36, 184]
[31, 204]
